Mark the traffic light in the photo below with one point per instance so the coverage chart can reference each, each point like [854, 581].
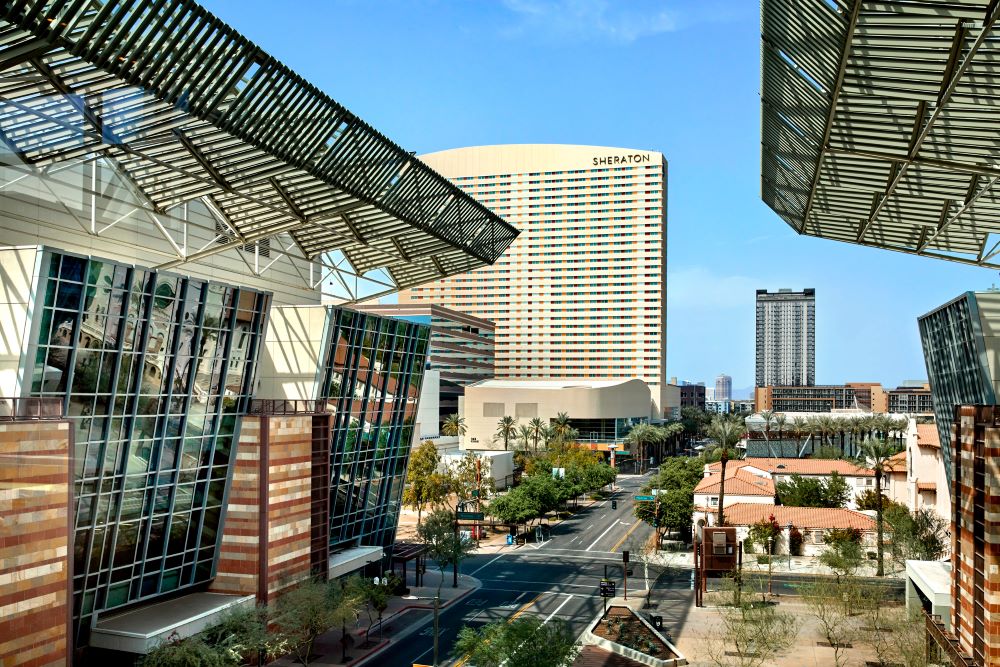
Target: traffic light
[614, 504]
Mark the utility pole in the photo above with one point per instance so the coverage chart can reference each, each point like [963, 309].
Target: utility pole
[656, 520]
[437, 604]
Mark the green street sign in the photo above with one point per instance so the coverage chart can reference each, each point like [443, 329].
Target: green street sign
[471, 516]
[640, 498]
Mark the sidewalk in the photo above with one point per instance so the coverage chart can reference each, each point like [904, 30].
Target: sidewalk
[401, 618]
[782, 564]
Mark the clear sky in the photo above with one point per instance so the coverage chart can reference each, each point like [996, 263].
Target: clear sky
[678, 76]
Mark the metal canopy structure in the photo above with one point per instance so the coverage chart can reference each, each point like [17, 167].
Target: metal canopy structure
[879, 123]
[187, 108]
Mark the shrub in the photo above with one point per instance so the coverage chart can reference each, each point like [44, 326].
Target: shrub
[795, 542]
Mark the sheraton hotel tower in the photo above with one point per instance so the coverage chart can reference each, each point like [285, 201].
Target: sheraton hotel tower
[185, 422]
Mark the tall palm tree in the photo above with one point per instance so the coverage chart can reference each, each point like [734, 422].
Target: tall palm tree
[537, 427]
[876, 452]
[507, 430]
[726, 432]
[524, 434]
[779, 421]
[643, 435]
[560, 425]
[453, 426]
[799, 426]
[768, 418]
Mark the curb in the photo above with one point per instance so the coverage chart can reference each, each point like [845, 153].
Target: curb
[385, 643]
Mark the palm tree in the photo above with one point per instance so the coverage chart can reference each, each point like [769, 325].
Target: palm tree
[643, 435]
[453, 426]
[877, 451]
[537, 427]
[798, 427]
[726, 432]
[560, 425]
[524, 434]
[507, 430]
[768, 418]
[779, 421]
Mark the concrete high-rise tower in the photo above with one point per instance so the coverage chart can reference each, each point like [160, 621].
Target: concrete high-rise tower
[582, 293]
[786, 338]
[723, 388]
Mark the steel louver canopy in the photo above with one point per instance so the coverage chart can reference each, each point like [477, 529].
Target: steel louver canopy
[881, 123]
[188, 108]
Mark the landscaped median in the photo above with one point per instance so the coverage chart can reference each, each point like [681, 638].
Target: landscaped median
[625, 632]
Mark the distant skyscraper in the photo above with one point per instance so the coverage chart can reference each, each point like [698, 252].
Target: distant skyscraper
[723, 388]
[582, 293]
[786, 338]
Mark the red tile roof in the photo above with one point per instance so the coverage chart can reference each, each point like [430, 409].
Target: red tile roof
[739, 482]
[896, 463]
[928, 436]
[745, 514]
[927, 486]
[789, 466]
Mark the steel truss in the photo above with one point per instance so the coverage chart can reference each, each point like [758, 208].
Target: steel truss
[879, 123]
[187, 108]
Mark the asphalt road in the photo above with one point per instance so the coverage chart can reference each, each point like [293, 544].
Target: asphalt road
[557, 579]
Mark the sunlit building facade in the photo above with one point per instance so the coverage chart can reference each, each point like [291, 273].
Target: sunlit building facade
[581, 294]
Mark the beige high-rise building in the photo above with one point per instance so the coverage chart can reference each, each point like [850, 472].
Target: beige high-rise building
[581, 294]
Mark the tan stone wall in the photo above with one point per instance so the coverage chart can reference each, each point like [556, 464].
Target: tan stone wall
[286, 443]
[35, 576]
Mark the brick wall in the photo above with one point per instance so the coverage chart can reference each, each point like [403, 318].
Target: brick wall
[975, 534]
[35, 501]
[275, 453]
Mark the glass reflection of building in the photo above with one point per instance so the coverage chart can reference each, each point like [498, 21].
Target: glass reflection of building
[371, 376]
[154, 370]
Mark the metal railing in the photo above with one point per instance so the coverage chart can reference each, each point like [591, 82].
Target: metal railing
[26, 408]
[268, 406]
[946, 641]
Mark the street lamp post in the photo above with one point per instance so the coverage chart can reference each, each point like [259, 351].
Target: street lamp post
[437, 607]
[611, 448]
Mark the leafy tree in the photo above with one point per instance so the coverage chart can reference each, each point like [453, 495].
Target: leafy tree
[694, 421]
[801, 491]
[445, 545]
[454, 426]
[683, 472]
[526, 641]
[543, 492]
[726, 431]
[507, 431]
[514, 507]
[764, 530]
[868, 501]
[919, 535]
[188, 652]
[878, 453]
[794, 542]
[672, 512]
[309, 610]
[373, 597]
[843, 554]
[424, 484]
[242, 635]
[641, 436]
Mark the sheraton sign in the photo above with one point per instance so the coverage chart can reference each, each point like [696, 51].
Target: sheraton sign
[634, 158]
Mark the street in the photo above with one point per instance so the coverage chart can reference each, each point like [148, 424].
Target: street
[556, 579]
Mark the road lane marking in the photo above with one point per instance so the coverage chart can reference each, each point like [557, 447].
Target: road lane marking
[601, 535]
[488, 564]
[625, 536]
[569, 596]
[547, 583]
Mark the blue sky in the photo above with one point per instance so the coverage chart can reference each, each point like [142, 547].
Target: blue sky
[680, 77]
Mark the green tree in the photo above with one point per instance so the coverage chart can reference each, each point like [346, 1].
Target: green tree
[524, 434]
[694, 421]
[424, 484]
[561, 429]
[843, 554]
[537, 427]
[242, 635]
[765, 533]
[642, 436]
[445, 545]
[188, 652]
[672, 512]
[514, 507]
[374, 599]
[825, 601]
[507, 431]
[868, 501]
[801, 491]
[526, 641]
[453, 426]
[309, 610]
[877, 453]
[919, 535]
[752, 635]
[726, 431]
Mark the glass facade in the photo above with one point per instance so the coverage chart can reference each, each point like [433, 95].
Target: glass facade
[957, 366]
[609, 429]
[371, 380]
[154, 370]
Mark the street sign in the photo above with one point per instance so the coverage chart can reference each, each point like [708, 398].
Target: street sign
[471, 516]
[607, 588]
[644, 498]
